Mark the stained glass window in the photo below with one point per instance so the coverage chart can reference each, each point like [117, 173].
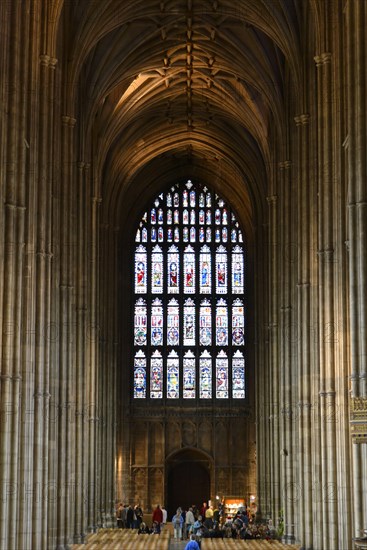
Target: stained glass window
[189, 270]
[157, 323]
[238, 376]
[140, 270]
[173, 323]
[205, 375]
[222, 376]
[205, 323]
[222, 323]
[173, 275]
[173, 376]
[189, 323]
[140, 323]
[157, 270]
[189, 375]
[238, 323]
[189, 307]
[156, 376]
[140, 375]
[205, 270]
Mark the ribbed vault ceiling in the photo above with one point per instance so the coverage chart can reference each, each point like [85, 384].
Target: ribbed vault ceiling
[173, 89]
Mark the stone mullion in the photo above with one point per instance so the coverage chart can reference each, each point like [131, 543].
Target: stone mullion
[286, 360]
[305, 204]
[357, 197]
[326, 299]
[14, 237]
[66, 358]
[82, 267]
[273, 355]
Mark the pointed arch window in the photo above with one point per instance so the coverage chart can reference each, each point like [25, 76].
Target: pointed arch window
[189, 306]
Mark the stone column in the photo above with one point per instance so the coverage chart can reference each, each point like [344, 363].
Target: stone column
[274, 375]
[306, 202]
[287, 357]
[326, 251]
[356, 35]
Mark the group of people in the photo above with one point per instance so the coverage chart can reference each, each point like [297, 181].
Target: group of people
[129, 517]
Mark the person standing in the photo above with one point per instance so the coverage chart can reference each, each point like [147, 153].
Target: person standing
[190, 520]
[177, 522]
[164, 512]
[157, 516]
[192, 544]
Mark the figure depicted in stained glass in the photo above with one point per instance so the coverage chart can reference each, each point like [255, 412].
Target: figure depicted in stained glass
[221, 274]
[186, 234]
[192, 217]
[192, 199]
[137, 237]
[217, 235]
[160, 216]
[189, 327]
[176, 217]
[225, 234]
[160, 234]
[225, 217]
[173, 281]
[144, 235]
[185, 201]
[153, 217]
[208, 217]
[140, 383]
[169, 200]
[157, 275]
[173, 382]
[234, 236]
[237, 274]
[154, 235]
[189, 275]
[169, 235]
[140, 274]
[201, 200]
[177, 235]
[205, 274]
[192, 235]
[208, 235]
[176, 200]
[201, 235]
[169, 217]
[185, 217]
[208, 200]
[217, 217]
[201, 217]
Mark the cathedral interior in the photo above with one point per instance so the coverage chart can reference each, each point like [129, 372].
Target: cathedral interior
[252, 113]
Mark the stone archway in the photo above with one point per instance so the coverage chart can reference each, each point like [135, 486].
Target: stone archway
[188, 479]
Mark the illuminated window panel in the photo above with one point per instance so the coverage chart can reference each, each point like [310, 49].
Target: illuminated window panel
[185, 198]
[217, 217]
[156, 376]
[189, 270]
[137, 237]
[189, 376]
[157, 323]
[240, 238]
[205, 323]
[140, 270]
[192, 234]
[153, 235]
[238, 376]
[208, 200]
[185, 234]
[140, 375]
[221, 321]
[208, 235]
[225, 217]
[237, 271]
[238, 323]
[157, 270]
[201, 217]
[221, 382]
[160, 216]
[205, 267]
[205, 375]
[225, 235]
[153, 216]
[176, 217]
[201, 235]
[173, 376]
[176, 200]
[221, 270]
[192, 199]
[160, 234]
[185, 217]
[140, 323]
[173, 323]
[192, 217]
[233, 236]
[208, 217]
[189, 323]
[169, 217]
[169, 200]
[176, 235]
[169, 235]
[173, 273]
[217, 235]
[144, 235]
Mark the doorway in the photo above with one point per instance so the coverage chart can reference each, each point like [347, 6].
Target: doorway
[188, 480]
